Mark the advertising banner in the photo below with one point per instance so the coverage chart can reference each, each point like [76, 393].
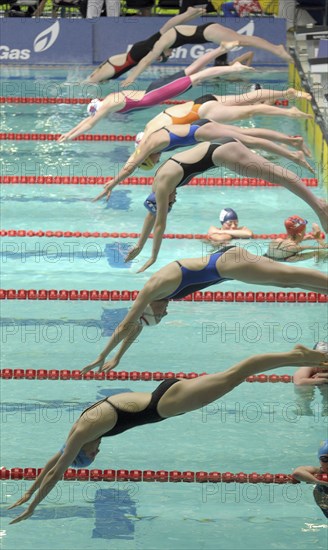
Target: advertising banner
[45, 41]
[91, 41]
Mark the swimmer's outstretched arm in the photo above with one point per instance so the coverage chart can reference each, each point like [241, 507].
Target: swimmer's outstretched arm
[80, 128]
[54, 473]
[147, 227]
[146, 147]
[216, 234]
[159, 228]
[307, 474]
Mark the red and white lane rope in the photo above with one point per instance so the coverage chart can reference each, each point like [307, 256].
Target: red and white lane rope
[199, 296]
[95, 180]
[146, 376]
[86, 100]
[115, 235]
[161, 476]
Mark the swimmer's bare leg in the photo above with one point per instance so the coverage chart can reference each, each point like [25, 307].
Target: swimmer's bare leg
[239, 158]
[189, 395]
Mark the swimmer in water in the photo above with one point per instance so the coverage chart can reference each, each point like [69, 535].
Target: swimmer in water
[306, 379]
[124, 411]
[290, 249]
[308, 475]
[229, 229]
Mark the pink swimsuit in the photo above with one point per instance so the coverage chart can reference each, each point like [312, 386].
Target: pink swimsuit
[154, 97]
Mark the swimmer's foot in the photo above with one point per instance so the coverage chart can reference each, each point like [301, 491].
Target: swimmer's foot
[321, 210]
[306, 356]
[294, 112]
[298, 143]
[301, 160]
[282, 52]
[297, 94]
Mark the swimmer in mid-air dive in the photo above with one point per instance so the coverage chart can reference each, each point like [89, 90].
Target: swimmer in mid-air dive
[171, 137]
[229, 108]
[159, 46]
[179, 170]
[123, 411]
[158, 91]
[180, 278]
[308, 475]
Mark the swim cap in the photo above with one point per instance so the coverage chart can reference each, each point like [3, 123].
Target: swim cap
[323, 449]
[227, 214]
[147, 319]
[295, 225]
[138, 138]
[151, 205]
[256, 86]
[321, 346]
[164, 58]
[147, 164]
[93, 106]
[81, 460]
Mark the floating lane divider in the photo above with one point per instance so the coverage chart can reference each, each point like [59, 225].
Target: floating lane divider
[86, 100]
[54, 374]
[160, 476]
[199, 296]
[115, 235]
[95, 180]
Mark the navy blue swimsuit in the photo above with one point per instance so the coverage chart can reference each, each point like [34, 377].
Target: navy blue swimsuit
[193, 280]
[184, 141]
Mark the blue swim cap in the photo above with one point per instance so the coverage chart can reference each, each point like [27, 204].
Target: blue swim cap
[81, 460]
[323, 449]
[150, 204]
[227, 214]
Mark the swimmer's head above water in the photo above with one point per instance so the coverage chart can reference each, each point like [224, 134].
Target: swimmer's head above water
[323, 451]
[295, 225]
[228, 218]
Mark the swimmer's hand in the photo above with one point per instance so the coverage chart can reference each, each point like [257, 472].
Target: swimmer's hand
[240, 67]
[99, 362]
[109, 365]
[28, 513]
[146, 265]
[105, 193]
[62, 138]
[21, 501]
[125, 83]
[134, 252]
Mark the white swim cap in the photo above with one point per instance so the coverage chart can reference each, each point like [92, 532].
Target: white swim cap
[138, 138]
[148, 319]
[93, 106]
[321, 346]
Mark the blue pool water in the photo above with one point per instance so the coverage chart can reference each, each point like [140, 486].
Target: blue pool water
[257, 428]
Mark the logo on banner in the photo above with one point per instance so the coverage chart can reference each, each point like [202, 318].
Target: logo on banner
[46, 38]
[42, 42]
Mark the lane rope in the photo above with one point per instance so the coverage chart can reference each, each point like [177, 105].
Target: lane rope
[100, 180]
[164, 476]
[54, 374]
[115, 235]
[127, 295]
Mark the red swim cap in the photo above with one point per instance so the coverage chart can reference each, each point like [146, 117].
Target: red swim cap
[295, 225]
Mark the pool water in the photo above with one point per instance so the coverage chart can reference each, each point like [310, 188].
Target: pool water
[256, 428]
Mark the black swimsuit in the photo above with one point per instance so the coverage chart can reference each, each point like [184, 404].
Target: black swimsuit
[130, 419]
[196, 38]
[192, 169]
